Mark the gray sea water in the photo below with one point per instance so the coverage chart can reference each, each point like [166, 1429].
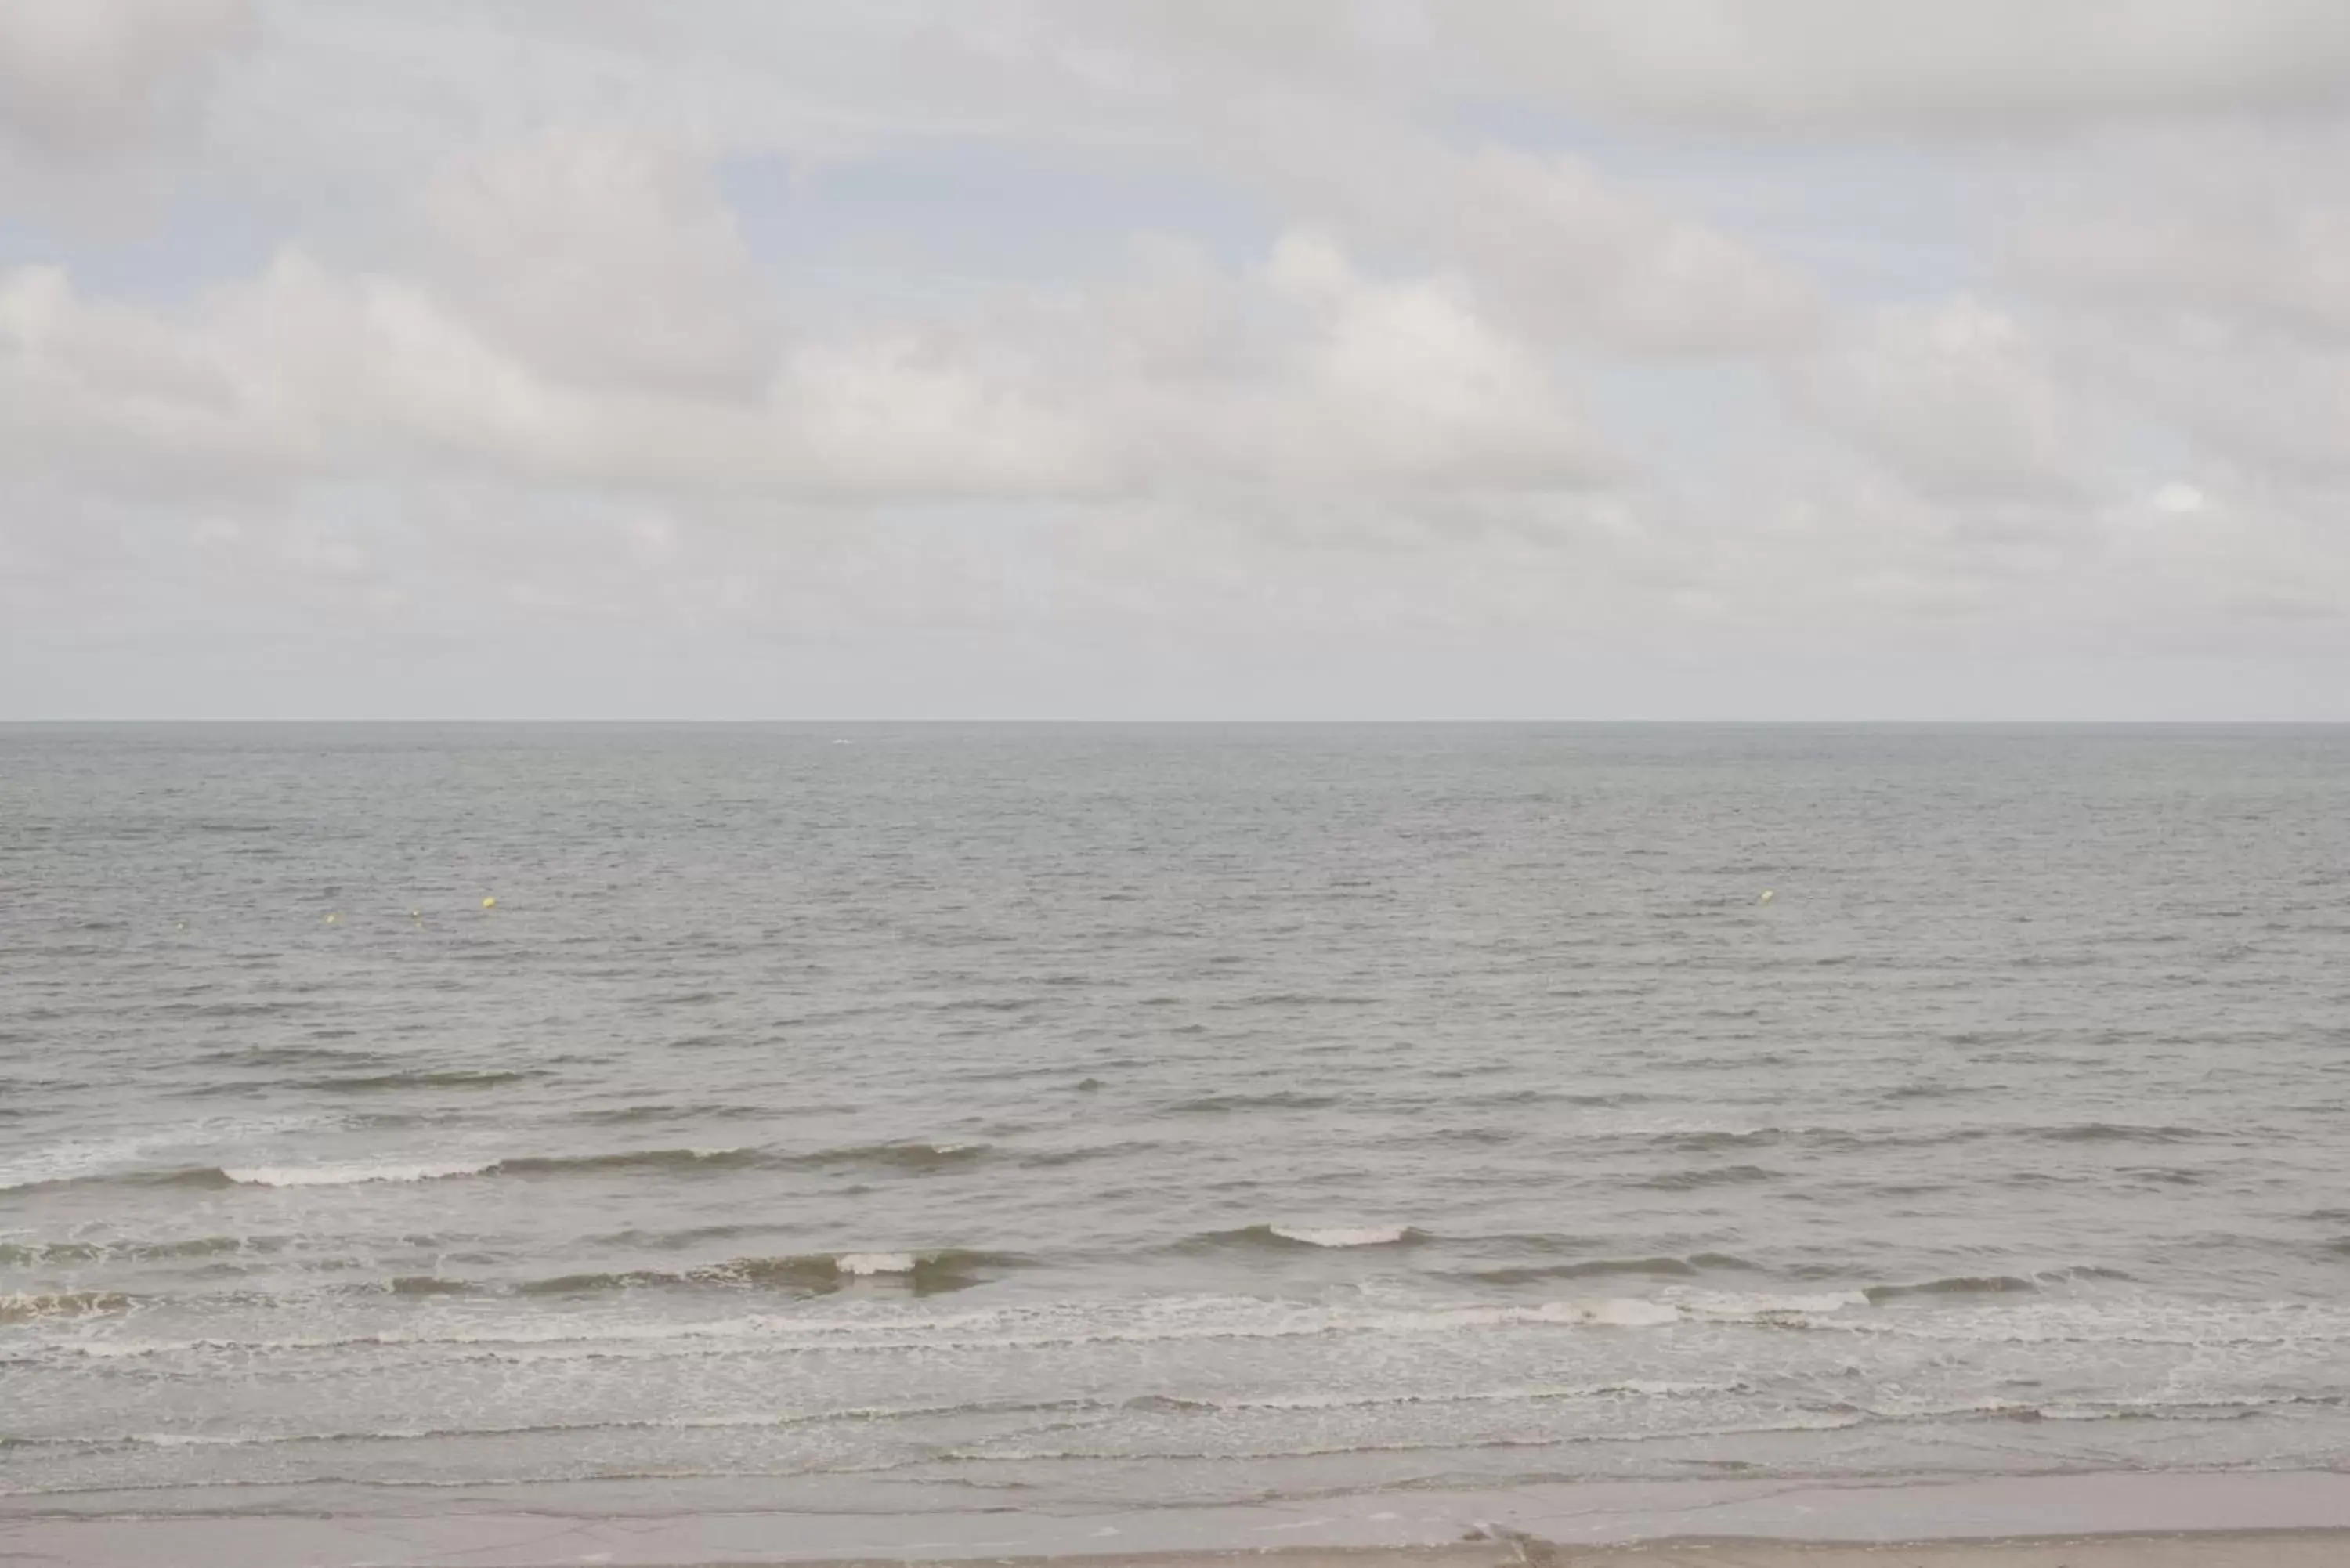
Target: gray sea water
[933, 1116]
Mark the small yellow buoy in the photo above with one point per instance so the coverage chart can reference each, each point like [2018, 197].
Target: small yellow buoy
[334, 920]
[415, 914]
[1766, 895]
[489, 903]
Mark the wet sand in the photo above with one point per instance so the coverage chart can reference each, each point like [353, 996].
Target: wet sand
[2145, 1521]
[2261, 1549]
[2269, 1549]
[557, 1545]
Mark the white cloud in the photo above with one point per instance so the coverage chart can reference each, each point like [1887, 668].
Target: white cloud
[116, 398]
[606, 258]
[2201, 284]
[1452, 339]
[79, 77]
[2270, 407]
[2247, 226]
[1995, 66]
[1563, 249]
[1404, 382]
[1959, 400]
[598, 336]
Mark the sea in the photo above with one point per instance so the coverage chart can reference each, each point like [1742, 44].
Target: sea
[906, 1117]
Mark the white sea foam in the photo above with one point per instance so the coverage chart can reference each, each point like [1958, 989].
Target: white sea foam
[1160, 1321]
[1623, 1311]
[1648, 1388]
[1297, 1451]
[866, 1264]
[64, 1162]
[1342, 1236]
[353, 1175]
[129, 1156]
[1715, 1305]
[878, 1328]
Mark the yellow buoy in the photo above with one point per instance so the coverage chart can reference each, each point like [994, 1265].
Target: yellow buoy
[334, 920]
[1766, 895]
[415, 914]
[489, 903]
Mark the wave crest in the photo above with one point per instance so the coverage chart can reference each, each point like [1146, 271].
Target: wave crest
[1285, 1236]
[350, 1175]
[24, 1306]
[1342, 1236]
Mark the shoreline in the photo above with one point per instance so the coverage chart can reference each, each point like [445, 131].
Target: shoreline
[2158, 1519]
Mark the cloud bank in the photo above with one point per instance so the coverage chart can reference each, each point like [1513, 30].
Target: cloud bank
[1686, 359]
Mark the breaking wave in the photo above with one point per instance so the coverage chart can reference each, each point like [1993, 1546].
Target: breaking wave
[1292, 1236]
[914, 1157]
[24, 1306]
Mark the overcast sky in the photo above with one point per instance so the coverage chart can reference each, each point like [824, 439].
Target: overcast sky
[1588, 358]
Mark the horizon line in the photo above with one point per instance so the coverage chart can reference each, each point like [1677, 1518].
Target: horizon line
[1096, 720]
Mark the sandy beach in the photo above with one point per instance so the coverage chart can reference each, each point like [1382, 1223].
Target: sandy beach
[2258, 1550]
[2143, 1521]
[2250, 1550]
[2254, 1549]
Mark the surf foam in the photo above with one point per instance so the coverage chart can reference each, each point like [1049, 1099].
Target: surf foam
[867, 1263]
[352, 1175]
[1342, 1236]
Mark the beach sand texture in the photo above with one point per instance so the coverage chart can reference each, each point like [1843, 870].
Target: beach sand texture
[2189, 1521]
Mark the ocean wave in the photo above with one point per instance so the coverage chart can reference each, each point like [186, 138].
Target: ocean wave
[981, 1454]
[1518, 1098]
[1714, 1176]
[716, 1421]
[2043, 1321]
[1601, 1268]
[346, 1175]
[1052, 1158]
[1762, 1308]
[1286, 1236]
[1344, 1236]
[27, 1254]
[626, 1115]
[24, 1306]
[2084, 1271]
[1959, 1285]
[671, 1240]
[185, 1175]
[949, 1269]
[2113, 1132]
[287, 1056]
[1683, 1137]
[914, 1157]
[901, 1157]
[1164, 1321]
[628, 1159]
[867, 1265]
[1639, 1388]
[376, 1082]
[2151, 1407]
[1013, 1456]
[1710, 1140]
[1276, 1100]
[932, 1272]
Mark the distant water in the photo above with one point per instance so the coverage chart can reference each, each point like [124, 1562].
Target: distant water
[933, 1116]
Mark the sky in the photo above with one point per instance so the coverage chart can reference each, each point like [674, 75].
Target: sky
[1808, 359]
